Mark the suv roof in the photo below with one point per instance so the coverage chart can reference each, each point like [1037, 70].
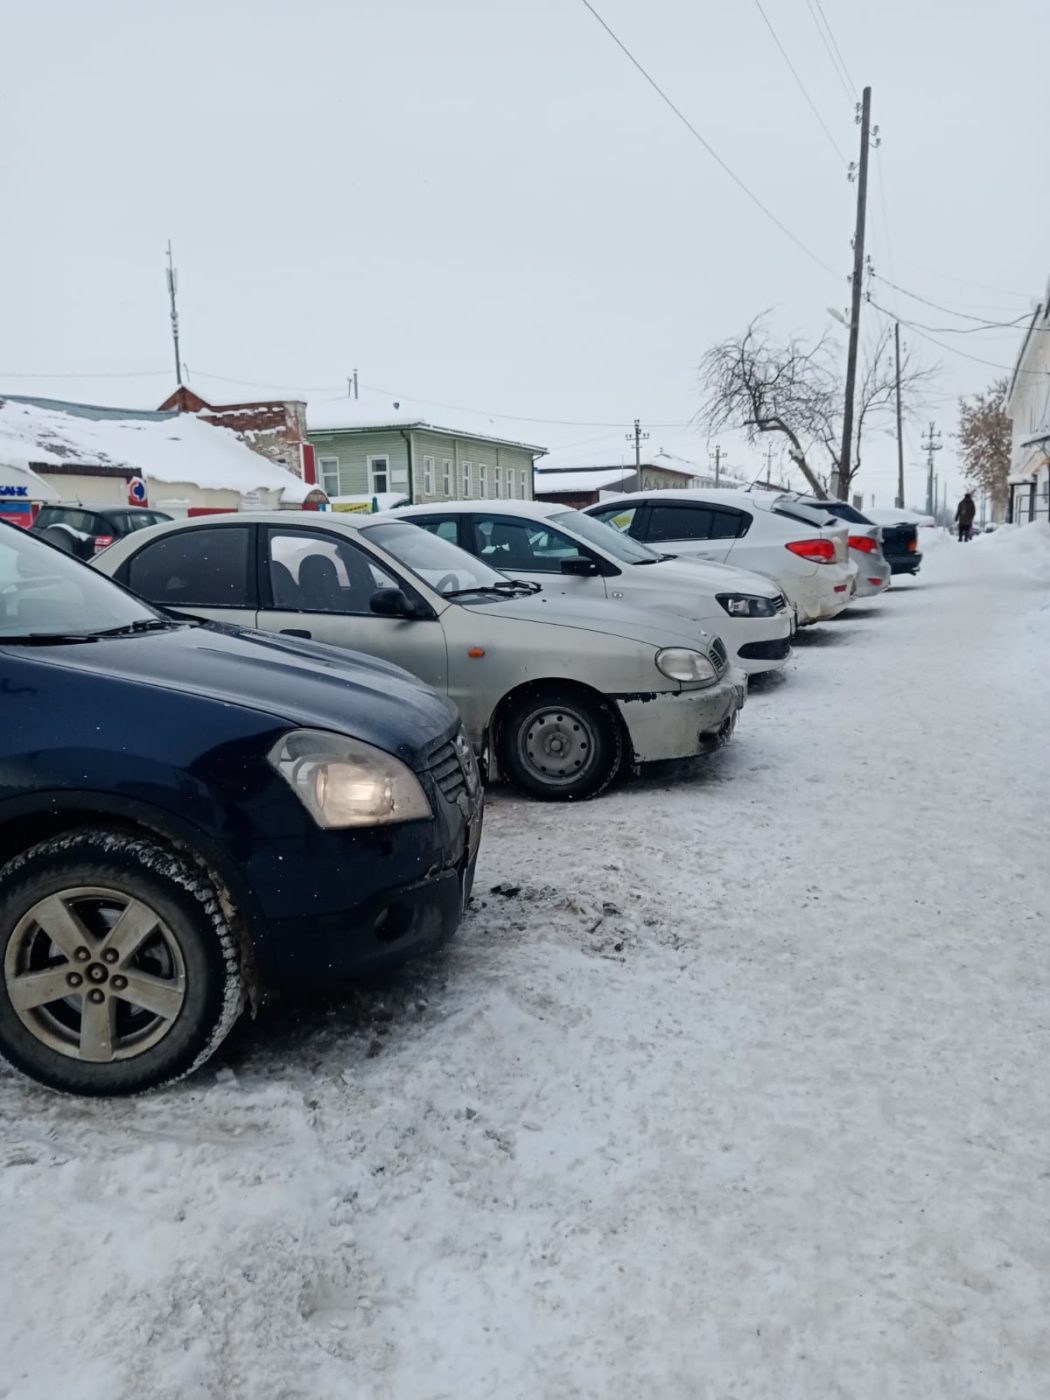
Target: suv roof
[95, 508]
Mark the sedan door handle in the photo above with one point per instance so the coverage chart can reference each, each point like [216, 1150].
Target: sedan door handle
[295, 632]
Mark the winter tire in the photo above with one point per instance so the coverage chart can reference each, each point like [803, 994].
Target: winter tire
[559, 745]
[118, 969]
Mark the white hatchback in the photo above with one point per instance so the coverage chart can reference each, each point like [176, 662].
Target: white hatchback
[571, 554]
[766, 532]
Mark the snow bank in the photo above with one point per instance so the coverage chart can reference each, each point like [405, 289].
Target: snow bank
[1023, 548]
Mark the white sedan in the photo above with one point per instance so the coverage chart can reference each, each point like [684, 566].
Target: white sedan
[764, 531]
[569, 553]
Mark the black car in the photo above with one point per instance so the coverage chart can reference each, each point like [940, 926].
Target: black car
[194, 816]
[900, 542]
[84, 530]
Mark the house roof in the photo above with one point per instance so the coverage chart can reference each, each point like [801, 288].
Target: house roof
[567, 483]
[379, 413]
[167, 447]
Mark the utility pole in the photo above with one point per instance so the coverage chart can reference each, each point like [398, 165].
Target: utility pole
[769, 463]
[900, 432]
[931, 444]
[351, 385]
[846, 455]
[716, 456]
[637, 437]
[173, 282]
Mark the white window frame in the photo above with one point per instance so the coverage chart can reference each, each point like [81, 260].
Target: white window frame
[483, 480]
[446, 477]
[512, 484]
[428, 476]
[324, 466]
[524, 485]
[497, 482]
[468, 475]
[375, 490]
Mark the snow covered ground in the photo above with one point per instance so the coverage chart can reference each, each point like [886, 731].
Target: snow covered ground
[736, 1090]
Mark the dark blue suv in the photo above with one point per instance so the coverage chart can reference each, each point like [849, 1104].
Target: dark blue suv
[193, 816]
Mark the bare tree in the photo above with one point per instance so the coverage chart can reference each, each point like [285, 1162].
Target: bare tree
[754, 385]
[985, 435]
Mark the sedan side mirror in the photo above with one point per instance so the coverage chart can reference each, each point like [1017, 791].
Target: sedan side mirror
[392, 602]
[579, 567]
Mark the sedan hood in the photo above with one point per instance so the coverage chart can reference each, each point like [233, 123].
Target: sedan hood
[644, 625]
[684, 571]
[297, 683]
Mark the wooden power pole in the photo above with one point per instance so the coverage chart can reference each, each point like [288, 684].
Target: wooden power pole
[846, 457]
[900, 432]
[637, 437]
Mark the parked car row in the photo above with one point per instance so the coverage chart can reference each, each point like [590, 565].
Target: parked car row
[245, 754]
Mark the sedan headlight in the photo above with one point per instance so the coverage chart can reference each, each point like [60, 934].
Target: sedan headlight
[690, 667]
[746, 605]
[343, 782]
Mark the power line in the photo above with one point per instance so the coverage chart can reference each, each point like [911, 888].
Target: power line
[707, 145]
[952, 349]
[982, 321]
[838, 51]
[967, 281]
[518, 417]
[104, 374]
[850, 92]
[801, 85]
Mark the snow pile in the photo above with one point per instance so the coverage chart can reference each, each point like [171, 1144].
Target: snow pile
[164, 447]
[1023, 548]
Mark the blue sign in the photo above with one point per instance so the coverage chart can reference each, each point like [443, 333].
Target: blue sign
[16, 492]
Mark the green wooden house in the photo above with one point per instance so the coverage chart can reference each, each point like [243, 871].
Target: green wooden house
[365, 448]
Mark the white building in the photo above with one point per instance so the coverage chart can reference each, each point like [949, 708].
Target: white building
[1028, 407]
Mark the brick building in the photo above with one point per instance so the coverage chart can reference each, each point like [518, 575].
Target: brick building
[275, 428]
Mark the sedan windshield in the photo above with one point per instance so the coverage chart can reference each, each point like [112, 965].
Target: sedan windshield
[47, 594]
[620, 546]
[443, 566]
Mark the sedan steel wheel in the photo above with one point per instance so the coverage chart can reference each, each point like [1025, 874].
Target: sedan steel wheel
[95, 974]
[557, 744]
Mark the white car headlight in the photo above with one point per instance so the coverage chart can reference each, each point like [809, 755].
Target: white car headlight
[746, 605]
[690, 667]
[343, 782]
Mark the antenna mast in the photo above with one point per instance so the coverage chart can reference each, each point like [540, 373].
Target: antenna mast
[173, 282]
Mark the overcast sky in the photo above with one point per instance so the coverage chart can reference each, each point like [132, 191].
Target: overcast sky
[481, 203]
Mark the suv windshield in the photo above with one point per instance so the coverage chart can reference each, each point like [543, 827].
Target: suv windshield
[441, 565]
[47, 593]
[622, 547]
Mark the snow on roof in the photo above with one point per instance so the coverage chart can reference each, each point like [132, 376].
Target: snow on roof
[377, 411]
[167, 447]
[562, 483]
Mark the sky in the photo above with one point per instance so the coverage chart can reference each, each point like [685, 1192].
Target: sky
[482, 205]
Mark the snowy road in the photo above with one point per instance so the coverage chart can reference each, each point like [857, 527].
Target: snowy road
[741, 1094]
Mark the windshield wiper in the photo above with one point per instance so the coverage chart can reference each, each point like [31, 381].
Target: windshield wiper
[144, 624]
[501, 590]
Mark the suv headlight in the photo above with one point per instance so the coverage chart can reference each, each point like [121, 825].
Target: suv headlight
[746, 605]
[691, 667]
[343, 782]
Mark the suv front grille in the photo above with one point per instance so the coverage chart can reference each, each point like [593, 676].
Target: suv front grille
[718, 655]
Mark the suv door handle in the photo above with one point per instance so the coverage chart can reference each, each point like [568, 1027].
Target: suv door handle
[295, 632]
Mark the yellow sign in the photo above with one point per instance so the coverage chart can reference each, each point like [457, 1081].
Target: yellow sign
[357, 507]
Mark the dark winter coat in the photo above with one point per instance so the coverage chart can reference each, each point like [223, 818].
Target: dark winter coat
[965, 512]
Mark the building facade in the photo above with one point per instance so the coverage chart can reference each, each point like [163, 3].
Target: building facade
[1028, 407]
[412, 457]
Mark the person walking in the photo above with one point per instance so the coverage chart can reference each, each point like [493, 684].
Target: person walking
[964, 514]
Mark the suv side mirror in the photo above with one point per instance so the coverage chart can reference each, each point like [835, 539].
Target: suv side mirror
[579, 567]
[392, 602]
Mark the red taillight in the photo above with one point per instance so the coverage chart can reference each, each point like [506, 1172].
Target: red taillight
[913, 545]
[820, 551]
[103, 542]
[864, 543]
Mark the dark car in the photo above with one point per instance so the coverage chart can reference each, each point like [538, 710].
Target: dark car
[900, 541]
[85, 530]
[192, 816]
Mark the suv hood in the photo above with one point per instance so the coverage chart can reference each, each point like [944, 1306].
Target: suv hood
[643, 625]
[295, 682]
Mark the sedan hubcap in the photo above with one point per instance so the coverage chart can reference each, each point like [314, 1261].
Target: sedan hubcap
[95, 974]
[558, 745]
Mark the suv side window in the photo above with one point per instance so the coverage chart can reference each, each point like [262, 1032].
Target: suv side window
[531, 546]
[446, 527]
[80, 520]
[319, 573]
[195, 569]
